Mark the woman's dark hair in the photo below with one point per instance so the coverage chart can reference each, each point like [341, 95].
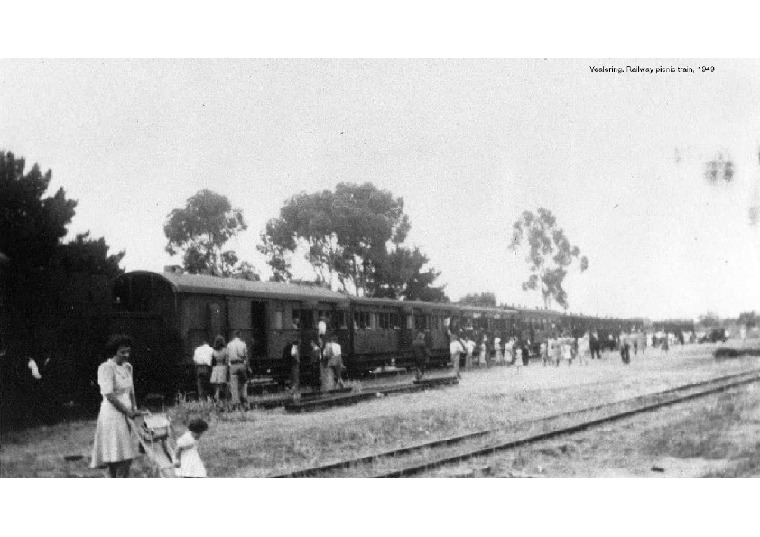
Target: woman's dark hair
[115, 342]
[197, 425]
[219, 343]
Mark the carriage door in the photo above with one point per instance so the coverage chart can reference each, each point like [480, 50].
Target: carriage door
[259, 328]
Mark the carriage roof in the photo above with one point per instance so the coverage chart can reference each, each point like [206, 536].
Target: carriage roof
[215, 285]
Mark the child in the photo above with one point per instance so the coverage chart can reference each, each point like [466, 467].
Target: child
[188, 461]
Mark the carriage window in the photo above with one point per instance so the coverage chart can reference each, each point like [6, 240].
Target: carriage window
[384, 319]
[361, 320]
[394, 321]
[278, 320]
[305, 318]
[420, 321]
[338, 319]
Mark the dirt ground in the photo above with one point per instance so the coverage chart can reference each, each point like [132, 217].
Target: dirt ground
[261, 443]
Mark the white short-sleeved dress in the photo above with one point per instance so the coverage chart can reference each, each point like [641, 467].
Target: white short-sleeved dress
[114, 440]
[190, 461]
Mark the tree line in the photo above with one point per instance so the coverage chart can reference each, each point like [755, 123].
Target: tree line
[353, 237]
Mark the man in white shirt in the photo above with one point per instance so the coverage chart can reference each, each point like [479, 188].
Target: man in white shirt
[202, 360]
[455, 349]
[237, 353]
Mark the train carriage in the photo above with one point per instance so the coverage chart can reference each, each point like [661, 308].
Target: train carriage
[170, 314]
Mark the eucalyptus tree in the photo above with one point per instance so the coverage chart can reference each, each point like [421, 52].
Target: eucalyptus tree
[549, 254]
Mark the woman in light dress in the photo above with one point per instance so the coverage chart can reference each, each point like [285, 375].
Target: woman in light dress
[220, 370]
[116, 441]
[483, 359]
[498, 355]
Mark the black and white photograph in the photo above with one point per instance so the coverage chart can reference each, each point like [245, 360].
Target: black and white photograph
[348, 267]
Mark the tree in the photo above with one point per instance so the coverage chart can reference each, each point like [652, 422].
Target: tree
[709, 319]
[485, 300]
[400, 275]
[49, 290]
[549, 254]
[352, 238]
[201, 229]
[748, 318]
[31, 226]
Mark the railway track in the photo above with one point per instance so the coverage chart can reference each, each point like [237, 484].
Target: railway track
[309, 402]
[418, 458]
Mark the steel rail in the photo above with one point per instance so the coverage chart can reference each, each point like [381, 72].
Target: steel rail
[348, 463]
[504, 446]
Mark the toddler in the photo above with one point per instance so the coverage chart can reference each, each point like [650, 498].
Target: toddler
[188, 461]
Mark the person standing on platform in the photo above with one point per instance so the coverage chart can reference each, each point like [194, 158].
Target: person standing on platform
[237, 354]
[336, 360]
[455, 349]
[322, 377]
[509, 351]
[483, 358]
[469, 348]
[583, 349]
[421, 355]
[295, 367]
[498, 357]
[220, 368]
[322, 330]
[202, 359]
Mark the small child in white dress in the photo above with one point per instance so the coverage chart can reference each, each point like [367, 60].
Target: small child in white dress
[188, 460]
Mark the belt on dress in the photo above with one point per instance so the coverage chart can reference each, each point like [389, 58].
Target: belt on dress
[237, 362]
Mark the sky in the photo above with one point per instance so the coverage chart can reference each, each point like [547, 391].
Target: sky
[468, 144]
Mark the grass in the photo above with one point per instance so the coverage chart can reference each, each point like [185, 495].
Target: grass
[265, 442]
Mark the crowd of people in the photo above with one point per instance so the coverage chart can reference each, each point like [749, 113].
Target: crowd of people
[557, 348]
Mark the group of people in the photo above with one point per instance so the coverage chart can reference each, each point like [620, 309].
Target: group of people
[223, 368]
[554, 350]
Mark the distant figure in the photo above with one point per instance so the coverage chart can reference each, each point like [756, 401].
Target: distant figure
[544, 350]
[594, 345]
[583, 349]
[498, 356]
[322, 329]
[625, 349]
[483, 359]
[567, 352]
[202, 359]
[470, 350]
[525, 344]
[295, 367]
[33, 369]
[220, 367]
[518, 363]
[455, 349]
[555, 348]
[335, 362]
[421, 355]
[237, 353]
[319, 370]
[509, 351]
[188, 460]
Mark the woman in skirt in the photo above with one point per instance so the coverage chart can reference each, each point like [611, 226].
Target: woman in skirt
[220, 370]
[116, 442]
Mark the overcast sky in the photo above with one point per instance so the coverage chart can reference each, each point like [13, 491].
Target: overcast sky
[467, 144]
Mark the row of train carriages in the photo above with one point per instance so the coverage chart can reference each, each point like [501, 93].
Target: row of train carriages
[168, 315]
